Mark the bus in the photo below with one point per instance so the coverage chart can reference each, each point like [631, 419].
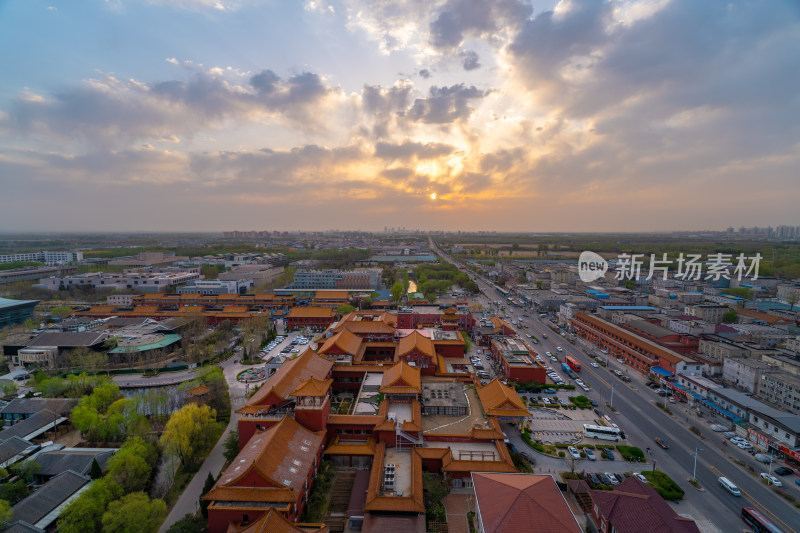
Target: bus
[573, 363]
[758, 522]
[601, 432]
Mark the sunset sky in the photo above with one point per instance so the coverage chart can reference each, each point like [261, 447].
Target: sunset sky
[198, 115]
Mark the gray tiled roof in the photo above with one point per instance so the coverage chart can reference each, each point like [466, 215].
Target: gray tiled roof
[49, 496]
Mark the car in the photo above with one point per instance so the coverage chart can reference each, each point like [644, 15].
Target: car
[559, 348]
[621, 361]
[594, 403]
[661, 442]
[737, 440]
[612, 477]
[585, 388]
[578, 381]
[594, 478]
[671, 399]
[529, 335]
[730, 435]
[574, 452]
[608, 454]
[548, 354]
[745, 446]
[562, 401]
[605, 479]
[771, 480]
[784, 471]
[550, 391]
[640, 477]
[589, 454]
[594, 365]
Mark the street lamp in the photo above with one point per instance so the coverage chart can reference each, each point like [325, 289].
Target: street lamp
[771, 459]
[694, 470]
[612, 395]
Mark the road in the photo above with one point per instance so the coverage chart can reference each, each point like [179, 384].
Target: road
[642, 421]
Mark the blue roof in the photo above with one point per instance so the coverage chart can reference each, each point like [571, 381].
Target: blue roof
[5, 302]
[630, 307]
[732, 297]
[660, 371]
[720, 410]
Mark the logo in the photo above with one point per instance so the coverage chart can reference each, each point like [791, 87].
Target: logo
[591, 266]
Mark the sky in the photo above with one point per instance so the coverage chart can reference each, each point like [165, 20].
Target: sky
[507, 115]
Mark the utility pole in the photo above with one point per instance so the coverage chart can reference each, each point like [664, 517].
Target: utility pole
[612, 395]
[694, 470]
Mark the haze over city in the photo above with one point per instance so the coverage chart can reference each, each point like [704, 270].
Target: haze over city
[200, 115]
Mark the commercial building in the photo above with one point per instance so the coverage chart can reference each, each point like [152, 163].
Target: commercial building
[158, 281]
[46, 257]
[216, 286]
[16, 311]
[364, 279]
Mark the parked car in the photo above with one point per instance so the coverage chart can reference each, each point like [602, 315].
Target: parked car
[605, 479]
[550, 391]
[764, 458]
[783, 471]
[594, 403]
[661, 442]
[594, 478]
[608, 454]
[574, 452]
[612, 477]
[640, 477]
[745, 446]
[589, 454]
[771, 480]
[594, 365]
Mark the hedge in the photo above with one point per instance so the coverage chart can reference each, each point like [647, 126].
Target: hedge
[663, 484]
[631, 453]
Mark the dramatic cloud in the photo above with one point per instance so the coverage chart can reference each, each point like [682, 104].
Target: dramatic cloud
[445, 104]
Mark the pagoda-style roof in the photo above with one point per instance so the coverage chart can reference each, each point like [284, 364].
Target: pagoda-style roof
[418, 341]
[401, 378]
[313, 387]
[501, 400]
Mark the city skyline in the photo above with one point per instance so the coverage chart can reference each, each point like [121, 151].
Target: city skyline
[543, 116]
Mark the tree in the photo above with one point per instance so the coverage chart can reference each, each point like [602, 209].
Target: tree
[231, 446]
[397, 291]
[9, 388]
[26, 470]
[60, 312]
[344, 309]
[96, 472]
[189, 432]
[5, 513]
[134, 513]
[85, 512]
[209, 484]
[189, 524]
[730, 316]
[131, 471]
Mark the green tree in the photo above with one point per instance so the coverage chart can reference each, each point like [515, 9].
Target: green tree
[209, 484]
[730, 316]
[231, 446]
[189, 524]
[85, 513]
[5, 513]
[344, 309]
[189, 432]
[397, 291]
[131, 471]
[26, 470]
[9, 388]
[60, 312]
[134, 513]
[96, 472]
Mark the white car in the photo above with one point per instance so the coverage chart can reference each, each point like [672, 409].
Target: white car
[612, 477]
[585, 388]
[745, 446]
[640, 478]
[549, 354]
[771, 480]
[594, 365]
[579, 381]
[576, 454]
[559, 348]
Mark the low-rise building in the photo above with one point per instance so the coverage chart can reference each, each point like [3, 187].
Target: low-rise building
[216, 286]
[781, 389]
[745, 372]
[709, 312]
[516, 361]
[315, 318]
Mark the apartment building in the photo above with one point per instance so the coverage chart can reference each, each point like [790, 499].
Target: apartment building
[48, 258]
[782, 390]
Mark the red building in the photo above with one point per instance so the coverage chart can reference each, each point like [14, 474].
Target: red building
[315, 318]
[517, 363]
[431, 316]
[275, 469]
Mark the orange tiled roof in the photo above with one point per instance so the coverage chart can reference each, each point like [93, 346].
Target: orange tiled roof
[331, 295]
[416, 340]
[312, 312]
[499, 323]
[281, 456]
[401, 378]
[501, 400]
[273, 521]
[345, 340]
[289, 376]
[313, 387]
[200, 390]
[769, 318]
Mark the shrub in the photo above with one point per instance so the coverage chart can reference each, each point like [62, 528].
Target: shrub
[663, 484]
[562, 454]
[631, 453]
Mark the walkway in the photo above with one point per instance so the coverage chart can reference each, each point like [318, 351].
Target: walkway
[457, 506]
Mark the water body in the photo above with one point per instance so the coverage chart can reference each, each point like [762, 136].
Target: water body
[156, 400]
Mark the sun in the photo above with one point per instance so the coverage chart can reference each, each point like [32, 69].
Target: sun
[433, 196]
